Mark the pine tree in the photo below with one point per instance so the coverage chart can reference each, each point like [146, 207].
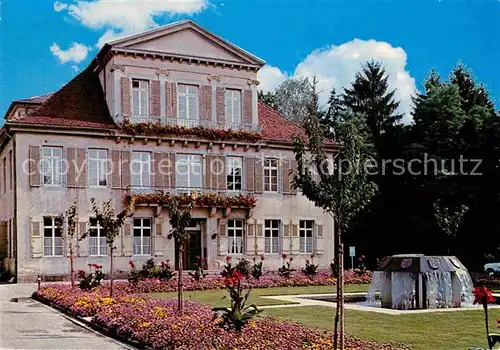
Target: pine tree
[332, 117]
[369, 95]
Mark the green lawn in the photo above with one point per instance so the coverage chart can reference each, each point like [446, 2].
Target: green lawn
[440, 330]
[215, 297]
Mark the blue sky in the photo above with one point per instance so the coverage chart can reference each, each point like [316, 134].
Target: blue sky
[44, 43]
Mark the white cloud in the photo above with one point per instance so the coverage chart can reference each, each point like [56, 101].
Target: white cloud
[108, 36]
[75, 53]
[270, 77]
[59, 6]
[75, 68]
[127, 16]
[335, 66]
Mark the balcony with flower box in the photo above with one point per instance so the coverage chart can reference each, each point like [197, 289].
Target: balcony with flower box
[199, 197]
[166, 123]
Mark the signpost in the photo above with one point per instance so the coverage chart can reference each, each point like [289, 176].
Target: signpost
[352, 254]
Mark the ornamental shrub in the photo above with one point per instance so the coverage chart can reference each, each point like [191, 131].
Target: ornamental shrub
[310, 269]
[198, 274]
[92, 279]
[285, 270]
[256, 269]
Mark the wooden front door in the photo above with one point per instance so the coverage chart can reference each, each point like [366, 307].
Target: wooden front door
[192, 249]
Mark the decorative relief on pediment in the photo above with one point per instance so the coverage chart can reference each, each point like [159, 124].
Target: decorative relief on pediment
[117, 66]
[162, 71]
[253, 82]
[215, 77]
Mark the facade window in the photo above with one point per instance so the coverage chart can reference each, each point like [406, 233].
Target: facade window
[98, 167]
[142, 236]
[141, 169]
[4, 175]
[270, 175]
[140, 98]
[97, 240]
[272, 236]
[52, 236]
[187, 102]
[234, 173]
[306, 228]
[11, 171]
[233, 105]
[51, 166]
[188, 172]
[235, 236]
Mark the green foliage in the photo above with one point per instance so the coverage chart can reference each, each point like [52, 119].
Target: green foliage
[150, 270]
[449, 220]
[238, 315]
[110, 224]
[286, 270]
[310, 269]
[91, 280]
[244, 267]
[334, 269]
[268, 98]
[199, 273]
[292, 98]
[256, 270]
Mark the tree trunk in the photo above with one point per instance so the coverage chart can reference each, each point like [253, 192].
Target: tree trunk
[180, 251]
[71, 266]
[485, 307]
[337, 309]
[111, 276]
[341, 299]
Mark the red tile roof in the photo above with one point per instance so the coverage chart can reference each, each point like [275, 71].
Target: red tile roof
[275, 127]
[36, 99]
[80, 103]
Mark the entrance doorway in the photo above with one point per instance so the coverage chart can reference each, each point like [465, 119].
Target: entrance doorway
[192, 246]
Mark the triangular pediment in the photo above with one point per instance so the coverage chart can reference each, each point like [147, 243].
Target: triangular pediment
[187, 39]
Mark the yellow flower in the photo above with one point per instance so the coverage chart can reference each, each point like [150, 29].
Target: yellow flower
[144, 324]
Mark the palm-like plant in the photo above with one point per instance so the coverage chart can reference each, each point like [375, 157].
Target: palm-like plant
[238, 315]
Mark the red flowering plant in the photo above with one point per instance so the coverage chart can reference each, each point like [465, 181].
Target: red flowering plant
[285, 270]
[199, 273]
[256, 269]
[228, 269]
[208, 133]
[134, 275]
[238, 315]
[92, 279]
[165, 272]
[203, 200]
[484, 296]
[310, 269]
[361, 268]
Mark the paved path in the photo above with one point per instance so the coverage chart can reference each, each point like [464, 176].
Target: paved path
[27, 324]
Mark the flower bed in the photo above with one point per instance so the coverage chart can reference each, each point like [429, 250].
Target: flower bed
[156, 324]
[323, 278]
[482, 279]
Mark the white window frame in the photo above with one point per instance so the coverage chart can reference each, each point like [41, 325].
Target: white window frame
[140, 240]
[272, 236]
[141, 177]
[267, 173]
[100, 162]
[52, 165]
[187, 96]
[234, 163]
[235, 242]
[192, 162]
[305, 246]
[142, 97]
[56, 241]
[97, 243]
[232, 101]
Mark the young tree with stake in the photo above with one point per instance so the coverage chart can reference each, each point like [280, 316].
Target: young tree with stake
[110, 227]
[179, 220]
[343, 190]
